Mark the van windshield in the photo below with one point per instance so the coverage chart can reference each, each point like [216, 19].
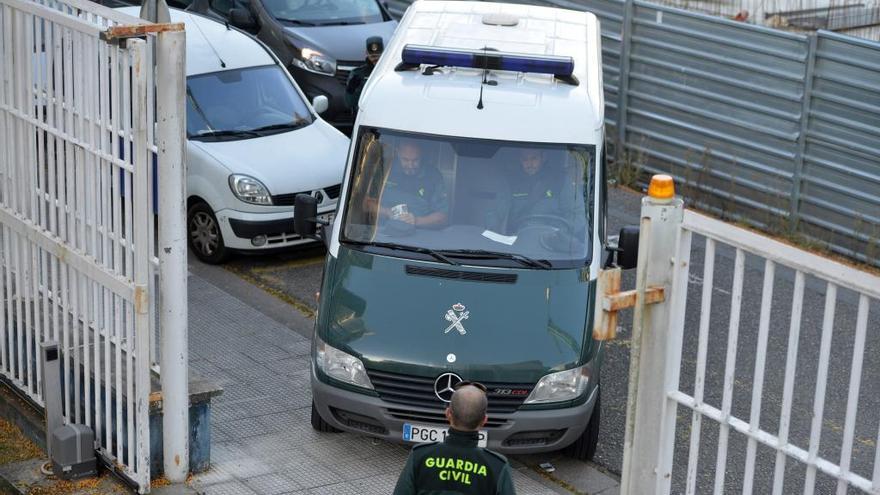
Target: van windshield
[471, 201]
[325, 12]
[243, 103]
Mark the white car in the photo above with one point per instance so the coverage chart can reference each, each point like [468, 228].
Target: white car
[253, 144]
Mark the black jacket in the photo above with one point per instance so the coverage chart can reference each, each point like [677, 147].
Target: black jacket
[456, 466]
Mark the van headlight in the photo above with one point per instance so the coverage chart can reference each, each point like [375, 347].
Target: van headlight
[561, 386]
[249, 190]
[341, 365]
[314, 61]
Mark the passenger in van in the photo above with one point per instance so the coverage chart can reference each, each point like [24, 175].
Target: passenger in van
[414, 192]
[534, 189]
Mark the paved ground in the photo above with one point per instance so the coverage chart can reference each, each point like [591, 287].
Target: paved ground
[295, 278]
[263, 441]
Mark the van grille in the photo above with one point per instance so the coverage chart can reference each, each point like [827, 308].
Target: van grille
[344, 68]
[498, 278]
[419, 391]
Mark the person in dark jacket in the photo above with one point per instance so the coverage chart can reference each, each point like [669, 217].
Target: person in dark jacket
[457, 465]
[358, 76]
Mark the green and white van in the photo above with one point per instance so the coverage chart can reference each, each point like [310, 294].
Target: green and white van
[470, 232]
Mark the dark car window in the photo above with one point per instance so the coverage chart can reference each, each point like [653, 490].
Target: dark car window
[222, 7]
[326, 12]
[254, 99]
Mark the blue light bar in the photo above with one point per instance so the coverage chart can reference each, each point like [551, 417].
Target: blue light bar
[416, 55]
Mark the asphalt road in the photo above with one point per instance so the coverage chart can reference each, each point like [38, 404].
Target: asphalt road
[294, 278]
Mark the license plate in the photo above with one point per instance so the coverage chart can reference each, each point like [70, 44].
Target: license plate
[422, 434]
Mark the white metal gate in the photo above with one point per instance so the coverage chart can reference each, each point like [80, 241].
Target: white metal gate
[653, 450]
[76, 214]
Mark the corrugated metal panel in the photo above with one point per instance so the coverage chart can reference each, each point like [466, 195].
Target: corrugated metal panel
[840, 181]
[717, 104]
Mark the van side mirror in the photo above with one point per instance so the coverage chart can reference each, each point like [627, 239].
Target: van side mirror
[628, 247]
[320, 103]
[305, 216]
[242, 19]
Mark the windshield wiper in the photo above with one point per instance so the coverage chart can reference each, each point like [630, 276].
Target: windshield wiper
[401, 247]
[296, 22]
[224, 133]
[484, 254]
[341, 23]
[280, 127]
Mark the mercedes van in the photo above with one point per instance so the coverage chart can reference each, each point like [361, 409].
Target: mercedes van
[469, 232]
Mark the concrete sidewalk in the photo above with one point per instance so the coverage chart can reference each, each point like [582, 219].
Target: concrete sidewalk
[262, 439]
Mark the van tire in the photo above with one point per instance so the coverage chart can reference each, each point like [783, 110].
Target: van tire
[201, 222]
[584, 448]
[319, 424]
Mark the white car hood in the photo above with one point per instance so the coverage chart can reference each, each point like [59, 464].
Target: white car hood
[297, 161]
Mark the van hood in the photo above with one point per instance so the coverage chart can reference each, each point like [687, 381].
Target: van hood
[304, 159]
[347, 43]
[396, 321]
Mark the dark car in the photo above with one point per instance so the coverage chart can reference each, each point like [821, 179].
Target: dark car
[321, 41]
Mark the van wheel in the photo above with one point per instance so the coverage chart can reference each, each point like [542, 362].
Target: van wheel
[584, 448]
[204, 236]
[319, 424]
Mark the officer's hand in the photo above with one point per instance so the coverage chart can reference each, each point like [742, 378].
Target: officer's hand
[407, 218]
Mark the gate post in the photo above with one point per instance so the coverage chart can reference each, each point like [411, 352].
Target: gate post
[650, 370]
[174, 370]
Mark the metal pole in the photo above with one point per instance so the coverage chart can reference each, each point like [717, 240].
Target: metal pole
[170, 61]
[649, 367]
[806, 104]
[626, 27]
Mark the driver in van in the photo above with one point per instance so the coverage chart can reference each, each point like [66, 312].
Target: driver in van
[414, 192]
[533, 188]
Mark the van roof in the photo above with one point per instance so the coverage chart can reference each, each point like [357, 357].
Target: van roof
[522, 106]
[208, 41]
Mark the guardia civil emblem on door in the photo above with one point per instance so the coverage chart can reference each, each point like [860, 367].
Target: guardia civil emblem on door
[455, 316]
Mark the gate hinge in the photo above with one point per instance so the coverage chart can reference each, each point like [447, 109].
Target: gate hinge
[610, 300]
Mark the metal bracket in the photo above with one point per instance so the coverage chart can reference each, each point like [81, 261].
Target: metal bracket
[117, 33]
[610, 300]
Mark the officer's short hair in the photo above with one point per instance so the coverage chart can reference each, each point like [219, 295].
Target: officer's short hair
[468, 407]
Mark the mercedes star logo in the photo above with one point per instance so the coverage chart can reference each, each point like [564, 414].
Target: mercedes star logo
[444, 385]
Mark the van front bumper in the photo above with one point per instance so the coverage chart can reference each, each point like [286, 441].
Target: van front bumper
[526, 431]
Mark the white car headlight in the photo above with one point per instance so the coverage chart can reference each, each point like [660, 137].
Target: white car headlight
[249, 190]
[315, 61]
[341, 366]
[561, 386]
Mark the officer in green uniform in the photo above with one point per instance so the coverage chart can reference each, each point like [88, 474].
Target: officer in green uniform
[414, 193]
[534, 190]
[358, 76]
[458, 466]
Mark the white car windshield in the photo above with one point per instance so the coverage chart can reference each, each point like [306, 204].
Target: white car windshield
[471, 201]
[325, 12]
[243, 103]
